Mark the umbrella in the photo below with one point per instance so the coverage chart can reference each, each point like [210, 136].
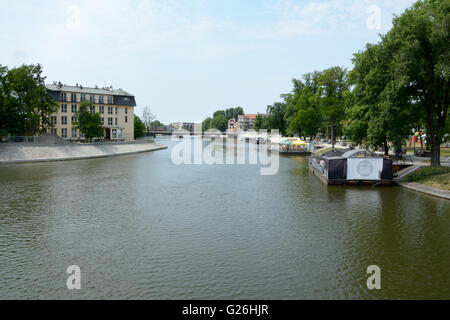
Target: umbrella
[299, 143]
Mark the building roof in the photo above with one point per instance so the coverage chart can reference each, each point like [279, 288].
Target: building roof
[81, 89]
[251, 116]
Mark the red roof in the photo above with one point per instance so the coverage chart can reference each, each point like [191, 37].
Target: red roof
[251, 116]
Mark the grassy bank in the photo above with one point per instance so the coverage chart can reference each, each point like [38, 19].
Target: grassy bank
[437, 177]
[322, 151]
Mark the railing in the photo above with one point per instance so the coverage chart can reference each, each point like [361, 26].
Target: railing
[31, 139]
[317, 166]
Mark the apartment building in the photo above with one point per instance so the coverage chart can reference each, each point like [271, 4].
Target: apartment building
[116, 109]
[246, 121]
[233, 125]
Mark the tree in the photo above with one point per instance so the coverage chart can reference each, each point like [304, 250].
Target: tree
[147, 117]
[88, 123]
[139, 127]
[275, 118]
[403, 81]
[260, 122]
[25, 106]
[332, 85]
[155, 124]
[419, 39]
[206, 124]
[233, 113]
[303, 111]
[219, 122]
[219, 113]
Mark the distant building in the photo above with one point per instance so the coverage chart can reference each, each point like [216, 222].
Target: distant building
[246, 121]
[163, 129]
[189, 126]
[233, 125]
[116, 109]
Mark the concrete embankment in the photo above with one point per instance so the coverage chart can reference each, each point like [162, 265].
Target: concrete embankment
[418, 186]
[23, 153]
[427, 189]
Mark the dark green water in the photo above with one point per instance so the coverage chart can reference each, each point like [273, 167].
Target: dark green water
[141, 227]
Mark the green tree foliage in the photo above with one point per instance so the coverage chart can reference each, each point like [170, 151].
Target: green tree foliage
[206, 124]
[332, 88]
[139, 127]
[233, 113]
[25, 106]
[303, 112]
[403, 81]
[367, 115]
[220, 119]
[420, 39]
[156, 124]
[88, 123]
[219, 122]
[275, 118]
[261, 122]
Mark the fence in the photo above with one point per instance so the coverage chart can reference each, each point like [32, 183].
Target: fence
[32, 139]
[52, 139]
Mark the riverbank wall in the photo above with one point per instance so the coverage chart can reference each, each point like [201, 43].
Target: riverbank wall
[25, 153]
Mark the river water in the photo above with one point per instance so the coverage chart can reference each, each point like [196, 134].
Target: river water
[141, 227]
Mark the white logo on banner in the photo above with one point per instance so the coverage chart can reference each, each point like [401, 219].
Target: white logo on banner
[364, 168]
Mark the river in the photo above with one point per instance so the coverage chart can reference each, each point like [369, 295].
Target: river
[141, 227]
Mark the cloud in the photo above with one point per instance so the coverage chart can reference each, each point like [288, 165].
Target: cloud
[318, 18]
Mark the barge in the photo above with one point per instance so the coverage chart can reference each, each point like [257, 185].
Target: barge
[354, 167]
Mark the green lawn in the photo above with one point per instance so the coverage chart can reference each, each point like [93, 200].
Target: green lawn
[437, 177]
[325, 150]
[445, 152]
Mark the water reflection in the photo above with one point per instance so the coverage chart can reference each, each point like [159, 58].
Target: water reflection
[141, 227]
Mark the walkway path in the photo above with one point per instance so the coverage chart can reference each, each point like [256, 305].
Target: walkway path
[22, 153]
[427, 189]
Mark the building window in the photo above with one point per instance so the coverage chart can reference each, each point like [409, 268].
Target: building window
[64, 132]
[126, 118]
[74, 119]
[92, 98]
[92, 109]
[110, 121]
[102, 109]
[64, 108]
[54, 132]
[63, 120]
[63, 96]
[116, 121]
[103, 121]
[110, 110]
[126, 110]
[83, 97]
[73, 97]
[100, 99]
[116, 110]
[54, 119]
[74, 108]
[74, 133]
[110, 99]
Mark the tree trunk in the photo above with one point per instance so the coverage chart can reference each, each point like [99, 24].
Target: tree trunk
[332, 136]
[435, 152]
[386, 148]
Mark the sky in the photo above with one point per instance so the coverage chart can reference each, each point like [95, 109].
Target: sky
[186, 59]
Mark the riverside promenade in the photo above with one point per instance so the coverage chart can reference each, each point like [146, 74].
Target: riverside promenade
[25, 153]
